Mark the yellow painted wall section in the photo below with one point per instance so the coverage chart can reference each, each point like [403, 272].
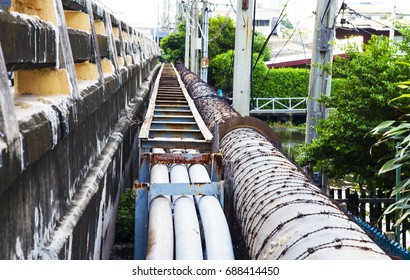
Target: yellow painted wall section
[49, 81]
[86, 71]
[125, 36]
[107, 66]
[121, 62]
[116, 32]
[78, 20]
[44, 9]
[128, 58]
[99, 27]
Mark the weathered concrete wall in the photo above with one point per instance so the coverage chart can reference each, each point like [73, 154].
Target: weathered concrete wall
[67, 159]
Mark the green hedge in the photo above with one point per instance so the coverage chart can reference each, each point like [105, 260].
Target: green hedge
[283, 82]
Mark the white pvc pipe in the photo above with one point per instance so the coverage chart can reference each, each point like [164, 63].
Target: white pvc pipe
[217, 236]
[158, 151]
[160, 230]
[159, 174]
[179, 174]
[187, 235]
[160, 227]
[198, 174]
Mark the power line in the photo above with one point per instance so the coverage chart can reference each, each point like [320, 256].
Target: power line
[353, 12]
[342, 8]
[219, 32]
[280, 18]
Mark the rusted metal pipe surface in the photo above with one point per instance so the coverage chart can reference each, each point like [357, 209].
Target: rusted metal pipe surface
[281, 214]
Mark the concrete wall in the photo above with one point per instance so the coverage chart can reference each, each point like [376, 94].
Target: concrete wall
[65, 159]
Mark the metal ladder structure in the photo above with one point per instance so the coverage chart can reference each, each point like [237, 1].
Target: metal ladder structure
[172, 124]
[172, 120]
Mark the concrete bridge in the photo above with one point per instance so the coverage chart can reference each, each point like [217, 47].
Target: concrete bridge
[68, 127]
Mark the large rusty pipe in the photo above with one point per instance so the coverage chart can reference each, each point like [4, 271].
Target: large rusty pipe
[281, 214]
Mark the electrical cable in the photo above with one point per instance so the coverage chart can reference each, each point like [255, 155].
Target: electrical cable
[281, 49]
[342, 8]
[252, 104]
[219, 32]
[304, 52]
[280, 18]
[353, 12]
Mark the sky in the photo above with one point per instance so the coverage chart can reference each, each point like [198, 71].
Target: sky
[138, 13]
[145, 13]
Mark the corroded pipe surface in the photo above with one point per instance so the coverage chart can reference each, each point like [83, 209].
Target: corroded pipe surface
[281, 214]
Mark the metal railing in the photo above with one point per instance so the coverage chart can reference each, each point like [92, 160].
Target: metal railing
[292, 104]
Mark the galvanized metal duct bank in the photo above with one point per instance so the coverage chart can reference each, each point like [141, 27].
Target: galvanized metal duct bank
[281, 214]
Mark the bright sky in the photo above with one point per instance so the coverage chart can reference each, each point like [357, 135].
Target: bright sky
[145, 13]
[139, 13]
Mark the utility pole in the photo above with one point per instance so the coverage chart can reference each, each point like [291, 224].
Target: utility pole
[205, 41]
[194, 37]
[392, 19]
[243, 57]
[187, 32]
[320, 77]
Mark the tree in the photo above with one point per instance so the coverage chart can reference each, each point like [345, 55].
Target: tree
[284, 82]
[396, 135]
[173, 45]
[221, 45]
[366, 84]
[259, 40]
[221, 35]
[221, 69]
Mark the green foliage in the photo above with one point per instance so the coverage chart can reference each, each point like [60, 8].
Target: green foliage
[221, 35]
[287, 24]
[284, 82]
[365, 84]
[124, 228]
[259, 40]
[173, 45]
[221, 70]
[398, 133]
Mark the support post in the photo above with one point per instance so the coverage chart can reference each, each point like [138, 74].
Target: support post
[398, 180]
[187, 32]
[141, 224]
[194, 36]
[320, 77]
[243, 57]
[65, 50]
[94, 40]
[111, 42]
[205, 41]
[392, 19]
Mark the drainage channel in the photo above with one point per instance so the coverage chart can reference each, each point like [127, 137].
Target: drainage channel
[179, 194]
